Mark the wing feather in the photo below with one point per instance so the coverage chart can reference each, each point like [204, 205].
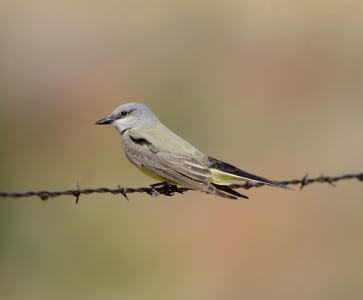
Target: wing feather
[182, 169]
[175, 167]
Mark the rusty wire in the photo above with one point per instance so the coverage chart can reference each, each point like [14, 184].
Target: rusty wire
[169, 190]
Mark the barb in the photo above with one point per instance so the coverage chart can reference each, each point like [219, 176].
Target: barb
[169, 190]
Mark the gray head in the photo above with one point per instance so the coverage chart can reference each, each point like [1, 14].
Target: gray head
[129, 116]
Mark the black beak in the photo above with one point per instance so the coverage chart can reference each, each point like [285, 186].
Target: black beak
[104, 121]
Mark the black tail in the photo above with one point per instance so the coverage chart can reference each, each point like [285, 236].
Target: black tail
[228, 190]
[227, 168]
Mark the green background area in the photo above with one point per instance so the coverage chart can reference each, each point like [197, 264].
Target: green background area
[272, 87]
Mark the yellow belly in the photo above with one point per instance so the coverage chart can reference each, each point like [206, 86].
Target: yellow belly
[154, 176]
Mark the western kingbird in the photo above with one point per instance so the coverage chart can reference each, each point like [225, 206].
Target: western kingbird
[162, 154]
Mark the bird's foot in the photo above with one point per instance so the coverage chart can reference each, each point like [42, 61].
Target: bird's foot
[163, 188]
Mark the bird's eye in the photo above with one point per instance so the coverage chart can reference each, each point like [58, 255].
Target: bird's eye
[123, 113]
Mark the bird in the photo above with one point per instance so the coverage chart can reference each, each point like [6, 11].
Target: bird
[163, 155]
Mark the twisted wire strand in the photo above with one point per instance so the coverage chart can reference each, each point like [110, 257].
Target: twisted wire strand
[169, 190]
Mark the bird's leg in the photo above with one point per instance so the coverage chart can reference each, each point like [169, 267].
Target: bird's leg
[158, 184]
[163, 188]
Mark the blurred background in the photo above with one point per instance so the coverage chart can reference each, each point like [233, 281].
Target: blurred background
[273, 87]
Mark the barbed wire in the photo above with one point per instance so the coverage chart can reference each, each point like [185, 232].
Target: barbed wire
[170, 190]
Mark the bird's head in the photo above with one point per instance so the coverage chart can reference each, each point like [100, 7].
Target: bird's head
[130, 115]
